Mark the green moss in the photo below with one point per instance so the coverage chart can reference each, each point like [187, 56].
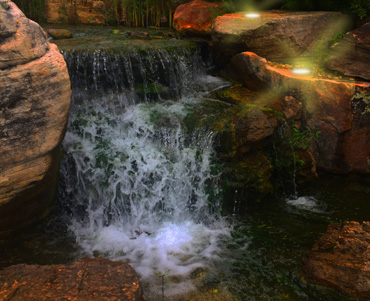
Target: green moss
[88, 38]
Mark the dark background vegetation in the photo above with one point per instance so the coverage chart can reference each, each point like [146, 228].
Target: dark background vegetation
[150, 12]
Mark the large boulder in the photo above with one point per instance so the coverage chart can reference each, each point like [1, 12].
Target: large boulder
[24, 39]
[35, 96]
[341, 259]
[329, 107]
[85, 279]
[196, 17]
[275, 34]
[351, 55]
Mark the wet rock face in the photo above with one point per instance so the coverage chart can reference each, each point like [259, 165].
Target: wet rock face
[327, 106]
[85, 279]
[196, 17]
[351, 55]
[274, 35]
[34, 102]
[340, 259]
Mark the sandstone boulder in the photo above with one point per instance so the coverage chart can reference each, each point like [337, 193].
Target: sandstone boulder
[196, 17]
[85, 279]
[341, 259]
[327, 106]
[21, 40]
[351, 55]
[273, 35]
[34, 100]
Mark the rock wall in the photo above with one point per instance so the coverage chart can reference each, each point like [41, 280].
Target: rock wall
[77, 11]
[328, 107]
[35, 96]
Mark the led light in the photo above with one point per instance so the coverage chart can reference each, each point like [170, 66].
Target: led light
[301, 71]
[252, 15]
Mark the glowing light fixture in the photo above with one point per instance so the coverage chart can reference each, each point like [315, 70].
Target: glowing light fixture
[252, 15]
[301, 71]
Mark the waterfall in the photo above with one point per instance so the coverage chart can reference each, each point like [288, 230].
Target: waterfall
[136, 185]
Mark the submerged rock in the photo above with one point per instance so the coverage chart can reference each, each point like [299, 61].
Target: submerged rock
[84, 279]
[329, 108]
[341, 259]
[58, 34]
[351, 55]
[196, 17]
[35, 96]
[273, 35]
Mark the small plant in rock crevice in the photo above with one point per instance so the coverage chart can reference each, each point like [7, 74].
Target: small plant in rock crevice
[302, 138]
[164, 279]
[361, 100]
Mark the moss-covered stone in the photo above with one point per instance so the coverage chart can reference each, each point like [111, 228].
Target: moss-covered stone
[120, 44]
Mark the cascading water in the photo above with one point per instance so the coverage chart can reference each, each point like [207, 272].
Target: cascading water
[136, 185]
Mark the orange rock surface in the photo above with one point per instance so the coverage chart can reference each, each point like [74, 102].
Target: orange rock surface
[341, 259]
[196, 16]
[328, 108]
[84, 280]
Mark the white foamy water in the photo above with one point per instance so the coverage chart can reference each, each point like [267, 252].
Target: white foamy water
[141, 189]
[306, 203]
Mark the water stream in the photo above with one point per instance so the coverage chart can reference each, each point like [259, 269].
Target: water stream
[138, 184]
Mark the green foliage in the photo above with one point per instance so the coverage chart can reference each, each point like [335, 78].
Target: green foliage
[144, 12]
[33, 9]
[360, 8]
[164, 280]
[337, 37]
[302, 138]
[364, 100]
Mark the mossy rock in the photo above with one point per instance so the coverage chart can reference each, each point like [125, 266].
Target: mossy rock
[120, 44]
[247, 179]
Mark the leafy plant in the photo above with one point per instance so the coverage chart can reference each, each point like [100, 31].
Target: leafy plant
[360, 8]
[364, 99]
[164, 279]
[33, 9]
[337, 37]
[302, 138]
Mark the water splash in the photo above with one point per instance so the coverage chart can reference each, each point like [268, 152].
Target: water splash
[306, 203]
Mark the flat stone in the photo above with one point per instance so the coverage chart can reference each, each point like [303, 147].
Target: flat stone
[85, 279]
[351, 55]
[341, 259]
[58, 34]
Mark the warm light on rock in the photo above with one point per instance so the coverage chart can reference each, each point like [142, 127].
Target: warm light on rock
[301, 71]
[252, 15]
